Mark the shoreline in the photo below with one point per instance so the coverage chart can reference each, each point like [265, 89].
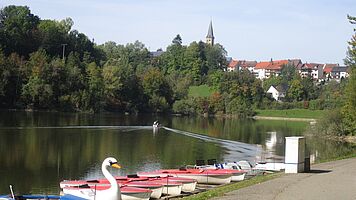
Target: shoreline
[284, 118]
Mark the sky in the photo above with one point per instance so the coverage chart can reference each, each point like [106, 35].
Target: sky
[260, 30]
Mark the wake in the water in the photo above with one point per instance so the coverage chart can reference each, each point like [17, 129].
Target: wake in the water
[236, 150]
[81, 127]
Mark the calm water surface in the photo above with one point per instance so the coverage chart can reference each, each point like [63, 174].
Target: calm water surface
[39, 149]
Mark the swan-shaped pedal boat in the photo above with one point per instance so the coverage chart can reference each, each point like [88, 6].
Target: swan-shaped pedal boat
[111, 192]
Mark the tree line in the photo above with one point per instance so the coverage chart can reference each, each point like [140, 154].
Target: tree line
[44, 64]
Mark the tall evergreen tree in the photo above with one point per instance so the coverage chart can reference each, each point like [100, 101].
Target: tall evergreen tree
[349, 109]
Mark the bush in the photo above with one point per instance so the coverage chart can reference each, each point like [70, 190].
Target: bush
[185, 107]
[239, 107]
[331, 124]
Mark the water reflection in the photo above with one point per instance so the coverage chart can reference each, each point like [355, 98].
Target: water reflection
[38, 149]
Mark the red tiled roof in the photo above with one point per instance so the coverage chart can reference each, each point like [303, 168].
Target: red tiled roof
[327, 69]
[277, 64]
[233, 63]
[262, 65]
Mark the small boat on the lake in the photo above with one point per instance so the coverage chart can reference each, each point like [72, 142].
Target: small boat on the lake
[205, 176]
[156, 124]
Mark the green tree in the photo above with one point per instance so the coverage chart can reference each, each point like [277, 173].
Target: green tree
[4, 76]
[216, 57]
[37, 94]
[240, 107]
[156, 87]
[349, 109]
[18, 28]
[193, 64]
[288, 72]
[295, 91]
[112, 85]
[95, 86]
[272, 81]
[52, 35]
[173, 58]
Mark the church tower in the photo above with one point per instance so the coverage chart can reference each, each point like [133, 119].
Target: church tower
[210, 35]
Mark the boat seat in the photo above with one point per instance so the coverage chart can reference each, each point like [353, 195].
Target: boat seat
[132, 176]
[200, 162]
[211, 161]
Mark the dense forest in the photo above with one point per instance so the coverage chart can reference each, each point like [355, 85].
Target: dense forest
[45, 64]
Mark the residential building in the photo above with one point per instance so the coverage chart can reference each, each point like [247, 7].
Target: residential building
[249, 65]
[264, 70]
[313, 70]
[339, 72]
[233, 66]
[278, 92]
[327, 71]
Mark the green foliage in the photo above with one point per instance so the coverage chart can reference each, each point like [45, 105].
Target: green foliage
[214, 79]
[185, 106]
[351, 52]
[272, 81]
[18, 27]
[331, 124]
[180, 84]
[156, 87]
[216, 103]
[288, 72]
[37, 93]
[295, 91]
[349, 109]
[239, 107]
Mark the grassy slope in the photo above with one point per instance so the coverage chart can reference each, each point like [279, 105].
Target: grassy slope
[200, 91]
[292, 113]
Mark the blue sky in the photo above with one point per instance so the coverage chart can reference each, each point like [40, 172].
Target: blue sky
[312, 30]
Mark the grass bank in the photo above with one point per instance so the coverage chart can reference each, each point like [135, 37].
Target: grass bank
[221, 190]
[200, 91]
[292, 113]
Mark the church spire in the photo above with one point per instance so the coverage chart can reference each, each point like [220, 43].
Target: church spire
[210, 35]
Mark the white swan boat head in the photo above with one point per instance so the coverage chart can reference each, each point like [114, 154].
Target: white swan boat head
[111, 192]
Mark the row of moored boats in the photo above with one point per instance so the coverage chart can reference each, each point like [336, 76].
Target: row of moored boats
[155, 184]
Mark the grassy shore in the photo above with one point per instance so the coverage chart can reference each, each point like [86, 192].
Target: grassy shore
[292, 113]
[221, 190]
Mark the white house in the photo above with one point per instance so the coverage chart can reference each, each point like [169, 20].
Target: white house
[278, 93]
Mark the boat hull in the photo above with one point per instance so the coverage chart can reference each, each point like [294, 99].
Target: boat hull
[201, 176]
[132, 193]
[156, 188]
[127, 193]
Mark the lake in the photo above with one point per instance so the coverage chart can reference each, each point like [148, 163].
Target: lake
[39, 149]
